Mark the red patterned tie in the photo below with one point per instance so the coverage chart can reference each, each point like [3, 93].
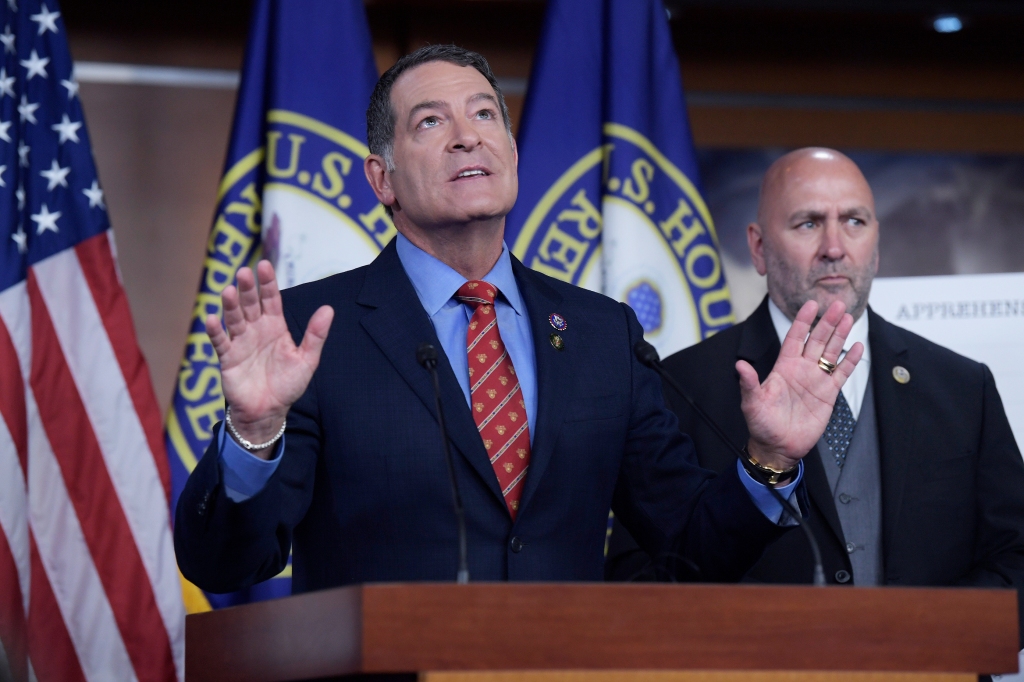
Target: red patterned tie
[498, 406]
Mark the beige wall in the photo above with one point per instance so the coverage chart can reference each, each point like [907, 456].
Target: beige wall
[159, 152]
[887, 129]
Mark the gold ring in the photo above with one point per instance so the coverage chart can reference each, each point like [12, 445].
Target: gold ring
[829, 367]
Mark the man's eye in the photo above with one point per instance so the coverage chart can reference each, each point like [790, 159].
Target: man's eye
[485, 114]
[429, 122]
[857, 222]
[806, 225]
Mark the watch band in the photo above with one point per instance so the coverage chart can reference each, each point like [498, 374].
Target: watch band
[768, 475]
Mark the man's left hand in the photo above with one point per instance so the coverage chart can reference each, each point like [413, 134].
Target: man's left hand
[787, 414]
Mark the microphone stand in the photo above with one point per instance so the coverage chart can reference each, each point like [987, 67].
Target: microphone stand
[648, 355]
[426, 355]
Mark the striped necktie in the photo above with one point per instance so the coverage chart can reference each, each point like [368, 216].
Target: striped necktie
[498, 406]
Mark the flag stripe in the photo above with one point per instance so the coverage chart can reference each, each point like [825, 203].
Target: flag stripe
[12, 395]
[14, 516]
[17, 320]
[53, 655]
[108, 403]
[71, 623]
[92, 493]
[100, 271]
[14, 448]
[12, 614]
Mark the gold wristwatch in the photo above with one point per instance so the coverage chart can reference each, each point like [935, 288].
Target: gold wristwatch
[770, 475]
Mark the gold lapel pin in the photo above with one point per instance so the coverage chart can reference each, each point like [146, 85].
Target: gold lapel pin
[557, 342]
[900, 374]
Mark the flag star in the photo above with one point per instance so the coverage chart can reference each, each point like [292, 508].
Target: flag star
[26, 110]
[36, 65]
[67, 129]
[23, 150]
[72, 87]
[21, 239]
[4, 127]
[7, 38]
[46, 19]
[20, 195]
[13, 5]
[56, 176]
[95, 195]
[6, 83]
[2, 169]
[45, 220]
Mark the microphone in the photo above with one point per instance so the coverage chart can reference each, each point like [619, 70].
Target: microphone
[648, 355]
[426, 355]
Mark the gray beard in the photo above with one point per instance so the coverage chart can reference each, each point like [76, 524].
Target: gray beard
[794, 293]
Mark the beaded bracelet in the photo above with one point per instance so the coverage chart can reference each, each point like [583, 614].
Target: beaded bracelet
[247, 444]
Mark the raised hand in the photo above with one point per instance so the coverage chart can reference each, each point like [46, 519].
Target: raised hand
[262, 370]
[787, 414]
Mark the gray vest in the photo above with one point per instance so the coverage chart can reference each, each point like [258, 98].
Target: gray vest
[857, 492]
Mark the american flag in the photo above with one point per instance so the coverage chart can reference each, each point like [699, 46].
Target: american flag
[89, 589]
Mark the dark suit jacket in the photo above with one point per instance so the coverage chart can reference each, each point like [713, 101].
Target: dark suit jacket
[362, 491]
[952, 475]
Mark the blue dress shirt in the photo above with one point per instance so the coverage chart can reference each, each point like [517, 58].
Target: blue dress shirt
[435, 284]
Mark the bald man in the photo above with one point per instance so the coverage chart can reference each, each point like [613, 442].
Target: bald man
[917, 479]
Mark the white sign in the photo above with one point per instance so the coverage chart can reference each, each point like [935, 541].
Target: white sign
[979, 316]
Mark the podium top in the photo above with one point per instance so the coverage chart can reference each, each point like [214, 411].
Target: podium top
[440, 626]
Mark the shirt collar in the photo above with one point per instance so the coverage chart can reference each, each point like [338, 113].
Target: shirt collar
[859, 332]
[436, 282]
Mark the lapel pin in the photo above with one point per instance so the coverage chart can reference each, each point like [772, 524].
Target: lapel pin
[557, 342]
[900, 374]
[558, 322]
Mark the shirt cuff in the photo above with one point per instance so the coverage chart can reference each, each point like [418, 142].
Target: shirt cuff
[244, 473]
[763, 498]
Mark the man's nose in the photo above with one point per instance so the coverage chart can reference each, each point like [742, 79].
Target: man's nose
[464, 136]
[832, 247]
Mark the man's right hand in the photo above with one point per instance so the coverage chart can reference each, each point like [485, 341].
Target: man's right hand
[263, 371]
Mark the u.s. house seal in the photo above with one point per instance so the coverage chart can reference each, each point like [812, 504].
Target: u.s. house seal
[319, 215]
[625, 221]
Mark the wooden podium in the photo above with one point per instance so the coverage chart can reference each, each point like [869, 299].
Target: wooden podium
[498, 632]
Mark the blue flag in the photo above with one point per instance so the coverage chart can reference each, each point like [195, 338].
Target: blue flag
[293, 191]
[608, 192]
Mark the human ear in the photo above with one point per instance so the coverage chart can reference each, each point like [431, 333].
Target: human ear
[755, 241]
[377, 175]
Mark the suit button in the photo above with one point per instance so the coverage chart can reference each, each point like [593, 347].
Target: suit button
[842, 576]
[850, 547]
[516, 545]
[845, 499]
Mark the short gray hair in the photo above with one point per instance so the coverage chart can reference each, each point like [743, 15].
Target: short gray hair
[380, 116]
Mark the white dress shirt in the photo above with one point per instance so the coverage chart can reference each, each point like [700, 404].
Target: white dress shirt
[857, 384]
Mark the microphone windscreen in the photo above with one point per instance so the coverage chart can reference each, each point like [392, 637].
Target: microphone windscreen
[646, 353]
[426, 355]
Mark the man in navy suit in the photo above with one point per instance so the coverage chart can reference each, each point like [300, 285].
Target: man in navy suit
[922, 483]
[551, 418]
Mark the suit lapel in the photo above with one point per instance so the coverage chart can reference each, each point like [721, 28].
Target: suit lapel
[554, 370]
[821, 493]
[759, 345]
[894, 416]
[398, 324]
